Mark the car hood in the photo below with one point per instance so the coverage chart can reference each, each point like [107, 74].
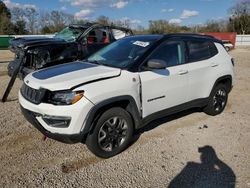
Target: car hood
[26, 42]
[70, 75]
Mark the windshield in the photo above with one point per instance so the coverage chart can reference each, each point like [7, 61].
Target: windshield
[122, 53]
[69, 34]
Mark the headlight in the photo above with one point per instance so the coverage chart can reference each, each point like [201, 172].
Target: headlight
[65, 97]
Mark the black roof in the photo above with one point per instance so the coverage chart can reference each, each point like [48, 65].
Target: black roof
[146, 37]
[194, 36]
[179, 35]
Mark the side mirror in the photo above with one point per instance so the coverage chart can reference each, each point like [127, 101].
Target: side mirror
[156, 64]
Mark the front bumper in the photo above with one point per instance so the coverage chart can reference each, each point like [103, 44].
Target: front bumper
[12, 66]
[77, 113]
[65, 138]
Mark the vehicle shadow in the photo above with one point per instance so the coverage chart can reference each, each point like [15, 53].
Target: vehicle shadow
[211, 172]
[155, 123]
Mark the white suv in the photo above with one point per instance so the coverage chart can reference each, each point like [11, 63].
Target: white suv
[101, 101]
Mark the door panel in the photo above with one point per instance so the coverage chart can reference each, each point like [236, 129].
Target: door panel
[202, 69]
[201, 77]
[165, 88]
[162, 89]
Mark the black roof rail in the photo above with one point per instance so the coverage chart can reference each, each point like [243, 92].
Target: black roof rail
[194, 35]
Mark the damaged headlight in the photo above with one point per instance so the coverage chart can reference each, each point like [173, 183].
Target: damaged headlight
[39, 57]
[65, 97]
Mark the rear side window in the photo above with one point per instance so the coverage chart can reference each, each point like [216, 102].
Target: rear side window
[201, 50]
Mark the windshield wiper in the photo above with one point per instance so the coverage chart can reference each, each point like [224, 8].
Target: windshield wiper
[94, 62]
[99, 63]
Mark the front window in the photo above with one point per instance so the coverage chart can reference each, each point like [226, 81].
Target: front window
[69, 34]
[124, 52]
[171, 52]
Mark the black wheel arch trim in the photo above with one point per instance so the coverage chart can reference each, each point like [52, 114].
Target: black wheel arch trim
[94, 113]
[222, 78]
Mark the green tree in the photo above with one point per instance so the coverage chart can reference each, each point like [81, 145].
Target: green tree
[163, 26]
[46, 30]
[4, 10]
[59, 20]
[19, 27]
[158, 26]
[6, 27]
[240, 17]
[212, 26]
[32, 17]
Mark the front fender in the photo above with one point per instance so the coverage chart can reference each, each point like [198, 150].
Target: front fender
[126, 101]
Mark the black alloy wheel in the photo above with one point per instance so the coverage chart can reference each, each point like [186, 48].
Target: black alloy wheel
[112, 133]
[217, 100]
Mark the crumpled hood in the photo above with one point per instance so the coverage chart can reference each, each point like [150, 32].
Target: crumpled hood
[67, 76]
[25, 42]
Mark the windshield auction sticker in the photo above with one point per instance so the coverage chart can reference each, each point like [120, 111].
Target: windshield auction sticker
[141, 43]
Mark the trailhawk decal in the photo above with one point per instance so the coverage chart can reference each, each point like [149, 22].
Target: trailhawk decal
[161, 97]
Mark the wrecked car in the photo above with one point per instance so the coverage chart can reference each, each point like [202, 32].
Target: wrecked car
[74, 42]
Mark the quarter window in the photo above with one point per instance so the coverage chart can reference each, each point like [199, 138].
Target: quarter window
[201, 50]
[170, 52]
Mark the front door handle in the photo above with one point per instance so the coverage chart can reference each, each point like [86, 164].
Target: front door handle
[183, 72]
[214, 65]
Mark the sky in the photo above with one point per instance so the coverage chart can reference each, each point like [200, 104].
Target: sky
[139, 12]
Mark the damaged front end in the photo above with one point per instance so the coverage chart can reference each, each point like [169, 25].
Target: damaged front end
[36, 53]
[39, 54]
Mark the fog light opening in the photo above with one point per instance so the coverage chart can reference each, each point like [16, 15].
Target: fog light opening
[56, 121]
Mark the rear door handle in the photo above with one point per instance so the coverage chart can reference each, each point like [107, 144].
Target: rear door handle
[181, 72]
[214, 65]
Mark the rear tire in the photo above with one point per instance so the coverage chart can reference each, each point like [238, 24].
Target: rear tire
[217, 100]
[112, 133]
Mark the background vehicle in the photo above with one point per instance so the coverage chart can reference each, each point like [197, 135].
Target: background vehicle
[228, 45]
[75, 42]
[124, 86]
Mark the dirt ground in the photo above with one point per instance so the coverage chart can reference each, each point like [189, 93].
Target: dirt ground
[6, 55]
[185, 149]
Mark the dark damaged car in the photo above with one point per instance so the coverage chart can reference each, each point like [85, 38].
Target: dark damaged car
[74, 42]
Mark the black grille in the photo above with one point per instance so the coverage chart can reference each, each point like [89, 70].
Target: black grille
[32, 95]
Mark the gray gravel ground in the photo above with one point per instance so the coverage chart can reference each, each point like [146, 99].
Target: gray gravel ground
[166, 153]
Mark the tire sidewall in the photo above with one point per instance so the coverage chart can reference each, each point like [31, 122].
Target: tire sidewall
[92, 139]
[209, 109]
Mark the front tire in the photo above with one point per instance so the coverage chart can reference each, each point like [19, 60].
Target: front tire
[112, 133]
[217, 100]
